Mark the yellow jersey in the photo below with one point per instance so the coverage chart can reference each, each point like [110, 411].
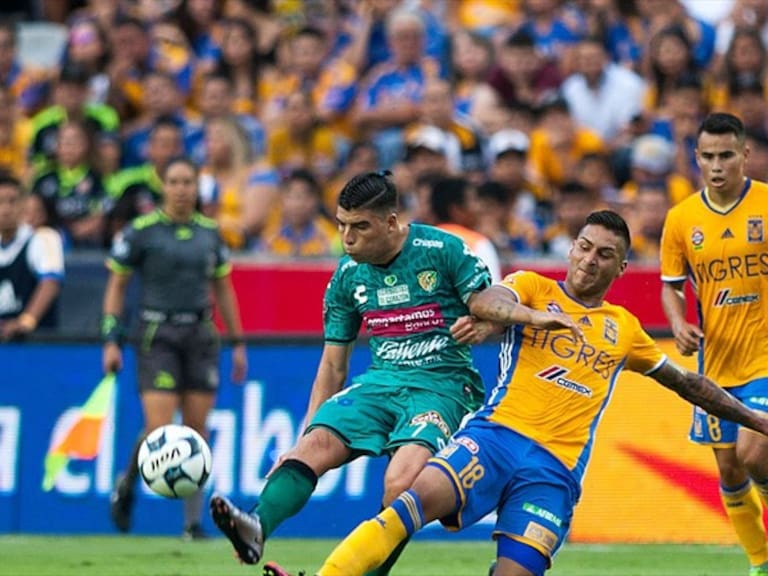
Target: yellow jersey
[724, 253]
[553, 389]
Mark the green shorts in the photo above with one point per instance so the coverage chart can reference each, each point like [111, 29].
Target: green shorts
[375, 420]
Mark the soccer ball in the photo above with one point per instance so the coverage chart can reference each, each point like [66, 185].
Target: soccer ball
[174, 461]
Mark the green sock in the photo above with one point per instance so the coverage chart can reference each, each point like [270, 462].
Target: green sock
[286, 492]
[384, 569]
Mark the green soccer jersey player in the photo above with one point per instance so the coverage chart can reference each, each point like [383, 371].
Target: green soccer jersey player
[406, 285]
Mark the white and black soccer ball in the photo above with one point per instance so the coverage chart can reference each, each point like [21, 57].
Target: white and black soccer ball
[174, 461]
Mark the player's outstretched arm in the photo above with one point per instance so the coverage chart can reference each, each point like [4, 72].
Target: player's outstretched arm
[703, 392]
[498, 304]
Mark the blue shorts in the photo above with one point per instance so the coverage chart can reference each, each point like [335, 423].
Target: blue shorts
[712, 431]
[495, 468]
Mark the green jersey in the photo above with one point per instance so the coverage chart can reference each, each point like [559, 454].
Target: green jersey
[407, 308]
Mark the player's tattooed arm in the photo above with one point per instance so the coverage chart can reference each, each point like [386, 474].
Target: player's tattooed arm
[701, 391]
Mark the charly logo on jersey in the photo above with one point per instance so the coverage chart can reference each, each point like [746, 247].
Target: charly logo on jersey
[556, 374]
[554, 308]
[427, 280]
[697, 238]
[610, 331]
[755, 229]
[724, 298]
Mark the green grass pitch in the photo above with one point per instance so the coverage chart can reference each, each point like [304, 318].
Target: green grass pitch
[137, 556]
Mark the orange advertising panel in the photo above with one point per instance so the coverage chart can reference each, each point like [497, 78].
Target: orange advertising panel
[647, 482]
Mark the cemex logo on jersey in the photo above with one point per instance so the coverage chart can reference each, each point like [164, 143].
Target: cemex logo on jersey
[557, 374]
[724, 298]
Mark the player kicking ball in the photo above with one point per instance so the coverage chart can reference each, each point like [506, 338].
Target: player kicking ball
[525, 452]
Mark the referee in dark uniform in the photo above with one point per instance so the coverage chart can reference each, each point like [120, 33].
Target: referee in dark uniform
[180, 256]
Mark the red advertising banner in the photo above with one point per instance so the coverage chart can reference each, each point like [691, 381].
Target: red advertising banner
[286, 298]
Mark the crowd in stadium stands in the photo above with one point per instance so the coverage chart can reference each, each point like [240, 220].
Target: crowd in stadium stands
[548, 109]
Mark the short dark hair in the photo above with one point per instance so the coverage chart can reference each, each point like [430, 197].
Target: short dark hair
[444, 195]
[306, 176]
[722, 123]
[493, 190]
[180, 160]
[369, 191]
[612, 221]
[8, 179]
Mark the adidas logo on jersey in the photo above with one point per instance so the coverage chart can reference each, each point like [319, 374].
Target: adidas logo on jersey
[726, 234]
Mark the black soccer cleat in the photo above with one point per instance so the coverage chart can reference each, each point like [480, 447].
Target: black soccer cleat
[121, 504]
[242, 529]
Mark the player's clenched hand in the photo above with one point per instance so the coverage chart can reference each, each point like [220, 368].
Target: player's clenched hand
[111, 358]
[471, 330]
[687, 338]
[556, 321]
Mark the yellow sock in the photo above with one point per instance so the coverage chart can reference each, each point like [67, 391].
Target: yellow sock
[746, 514]
[366, 547]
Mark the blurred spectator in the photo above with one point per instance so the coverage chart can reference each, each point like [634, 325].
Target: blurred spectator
[657, 15]
[602, 96]
[302, 229]
[670, 58]
[26, 86]
[554, 35]
[197, 20]
[521, 74]
[573, 202]
[617, 23]
[508, 150]
[362, 157]
[745, 61]
[70, 104]
[302, 141]
[594, 172]
[31, 267]
[331, 82]
[462, 143]
[73, 189]
[229, 159]
[653, 164]
[171, 54]
[216, 101]
[138, 190]
[87, 46]
[757, 167]
[242, 64]
[455, 207]
[15, 135]
[748, 103]
[130, 60]
[744, 14]
[678, 121]
[426, 152]
[161, 99]
[372, 43]
[472, 58]
[557, 144]
[391, 93]
[646, 222]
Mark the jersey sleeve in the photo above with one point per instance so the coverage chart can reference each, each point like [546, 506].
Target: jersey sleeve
[222, 262]
[341, 320]
[645, 355]
[125, 253]
[522, 284]
[470, 274]
[46, 254]
[674, 266]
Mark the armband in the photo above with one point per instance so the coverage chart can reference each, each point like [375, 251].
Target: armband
[111, 329]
